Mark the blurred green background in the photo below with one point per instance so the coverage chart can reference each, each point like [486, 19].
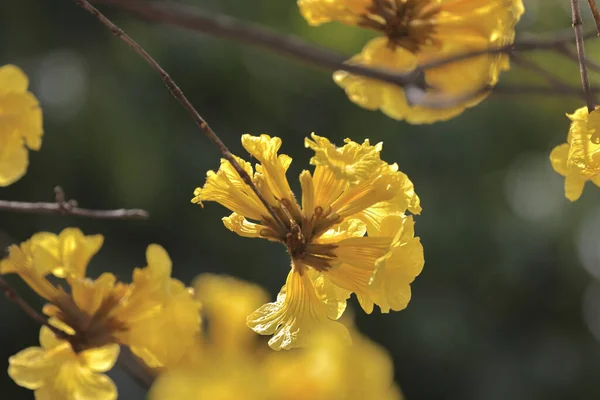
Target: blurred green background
[508, 305]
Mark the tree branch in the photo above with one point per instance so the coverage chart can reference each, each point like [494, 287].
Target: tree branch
[12, 295]
[183, 100]
[585, 82]
[230, 28]
[63, 207]
[595, 13]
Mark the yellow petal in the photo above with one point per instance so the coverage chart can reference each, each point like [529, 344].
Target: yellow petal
[228, 189]
[90, 295]
[30, 368]
[240, 225]
[101, 359]
[295, 315]
[352, 162]
[13, 159]
[264, 148]
[317, 12]
[574, 184]
[559, 157]
[227, 302]
[20, 115]
[12, 80]
[390, 285]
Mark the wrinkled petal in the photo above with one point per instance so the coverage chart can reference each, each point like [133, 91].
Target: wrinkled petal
[296, 314]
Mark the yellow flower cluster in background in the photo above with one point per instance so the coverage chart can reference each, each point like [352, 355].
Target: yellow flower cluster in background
[155, 315]
[578, 160]
[20, 124]
[415, 32]
[349, 234]
[229, 361]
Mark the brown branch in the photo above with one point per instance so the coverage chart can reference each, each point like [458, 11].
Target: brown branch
[595, 13]
[585, 82]
[12, 295]
[63, 207]
[183, 100]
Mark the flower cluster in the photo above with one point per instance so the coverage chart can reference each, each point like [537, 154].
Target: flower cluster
[414, 33]
[349, 234]
[578, 160]
[20, 124]
[155, 315]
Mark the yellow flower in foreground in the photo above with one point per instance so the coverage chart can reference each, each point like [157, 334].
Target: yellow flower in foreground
[226, 302]
[55, 371]
[349, 235]
[578, 160]
[20, 124]
[155, 315]
[328, 370]
[415, 32]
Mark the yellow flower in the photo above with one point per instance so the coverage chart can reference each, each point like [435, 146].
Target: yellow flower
[329, 370]
[20, 124]
[351, 193]
[578, 160]
[54, 371]
[415, 32]
[155, 315]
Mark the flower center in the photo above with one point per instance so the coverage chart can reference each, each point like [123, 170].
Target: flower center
[407, 23]
[299, 241]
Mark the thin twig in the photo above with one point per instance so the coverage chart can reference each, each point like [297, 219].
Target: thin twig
[12, 295]
[178, 94]
[63, 207]
[595, 13]
[585, 82]
[570, 53]
[547, 75]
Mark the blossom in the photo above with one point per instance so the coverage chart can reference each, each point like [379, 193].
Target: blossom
[234, 367]
[56, 371]
[578, 160]
[349, 234]
[20, 124]
[415, 32]
[155, 315]
[329, 370]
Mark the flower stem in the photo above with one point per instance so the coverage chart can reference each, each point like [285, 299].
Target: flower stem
[585, 81]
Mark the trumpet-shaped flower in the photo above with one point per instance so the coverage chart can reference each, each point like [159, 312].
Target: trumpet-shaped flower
[349, 233]
[20, 124]
[414, 33]
[578, 160]
[155, 315]
[56, 371]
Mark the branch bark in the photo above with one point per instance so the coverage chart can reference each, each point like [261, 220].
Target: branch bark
[63, 207]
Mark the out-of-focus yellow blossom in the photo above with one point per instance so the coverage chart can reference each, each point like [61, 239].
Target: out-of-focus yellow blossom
[349, 235]
[54, 371]
[20, 124]
[578, 160]
[329, 370]
[155, 315]
[415, 32]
